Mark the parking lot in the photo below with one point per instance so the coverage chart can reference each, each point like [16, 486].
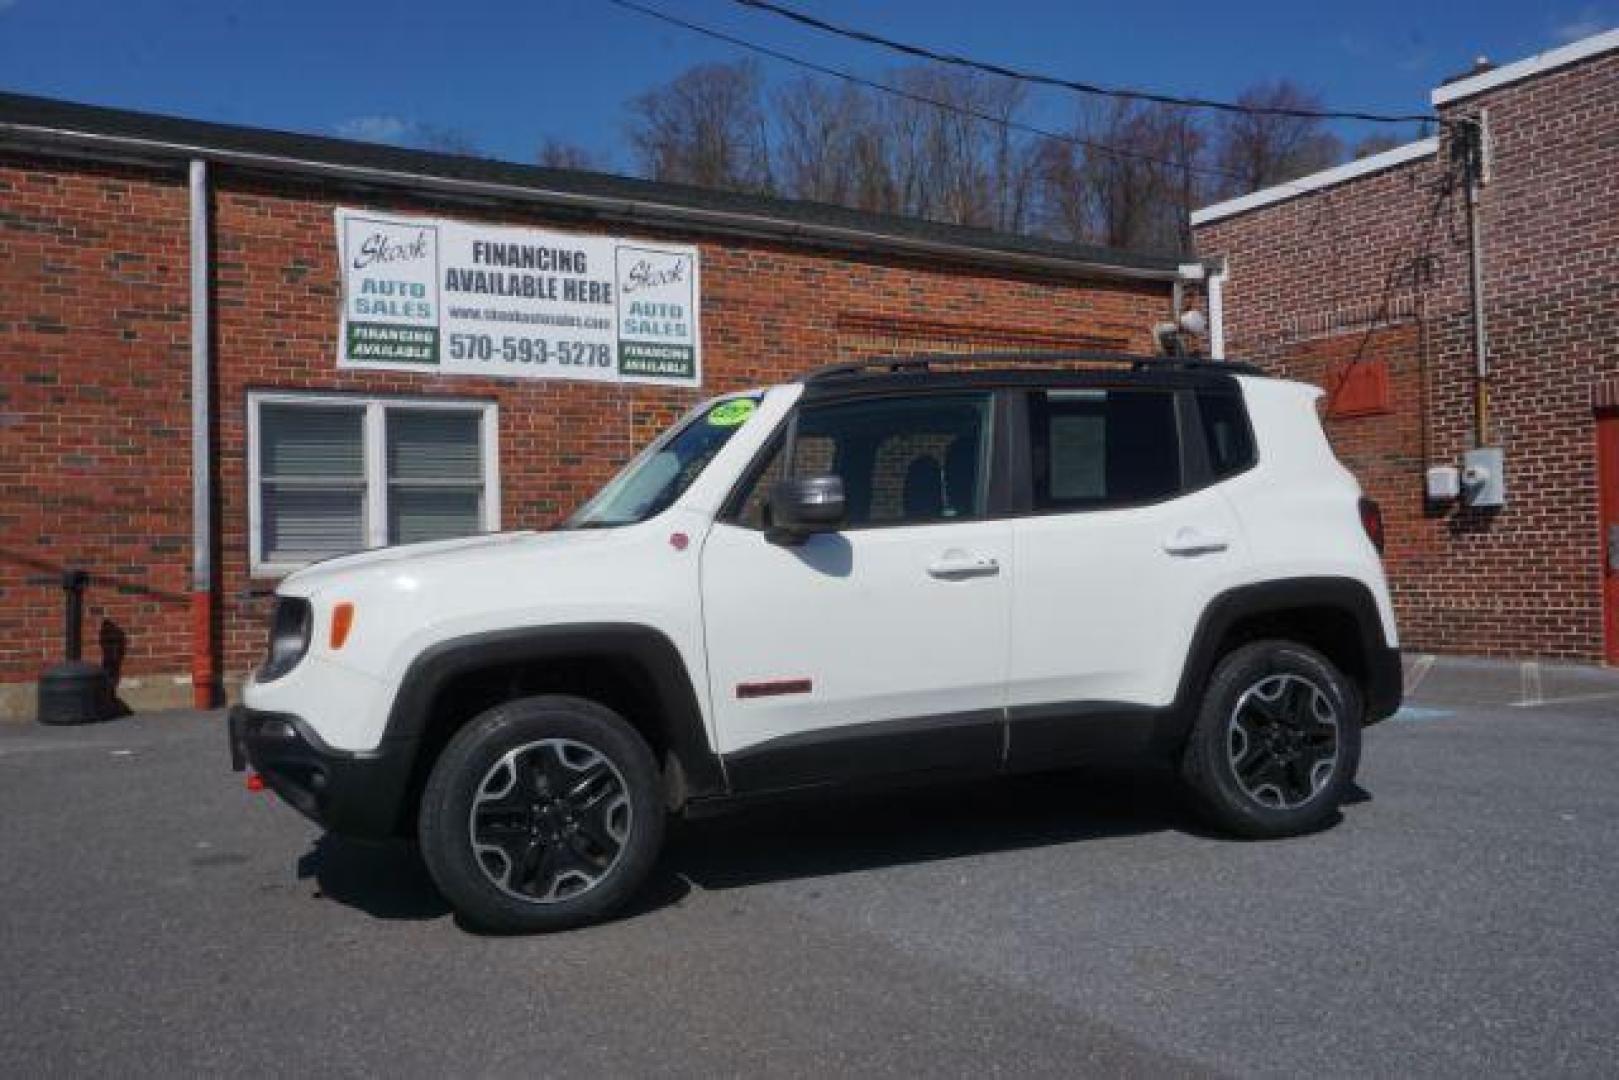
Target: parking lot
[1460, 919]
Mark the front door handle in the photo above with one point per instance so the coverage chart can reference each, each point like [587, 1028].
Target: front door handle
[956, 565]
[1191, 540]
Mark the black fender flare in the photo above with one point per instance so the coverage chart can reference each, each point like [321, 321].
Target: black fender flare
[1349, 595]
[680, 719]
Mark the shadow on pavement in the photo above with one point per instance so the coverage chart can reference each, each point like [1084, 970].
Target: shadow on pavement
[386, 881]
[816, 835]
[822, 835]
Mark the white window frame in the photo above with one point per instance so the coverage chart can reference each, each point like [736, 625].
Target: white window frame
[374, 436]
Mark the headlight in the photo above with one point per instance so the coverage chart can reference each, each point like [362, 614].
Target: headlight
[290, 629]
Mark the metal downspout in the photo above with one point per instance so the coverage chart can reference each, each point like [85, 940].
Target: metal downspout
[204, 676]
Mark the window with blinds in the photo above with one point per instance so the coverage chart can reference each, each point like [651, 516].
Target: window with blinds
[333, 475]
[435, 474]
[311, 481]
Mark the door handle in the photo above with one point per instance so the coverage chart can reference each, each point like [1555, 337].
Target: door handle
[955, 565]
[1613, 548]
[1191, 540]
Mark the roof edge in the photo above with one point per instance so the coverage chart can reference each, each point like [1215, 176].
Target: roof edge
[1528, 67]
[1338, 174]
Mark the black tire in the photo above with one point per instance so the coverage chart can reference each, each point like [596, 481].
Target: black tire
[537, 835]
[1265, 771]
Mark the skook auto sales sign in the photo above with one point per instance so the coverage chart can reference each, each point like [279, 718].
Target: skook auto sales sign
[460, 299]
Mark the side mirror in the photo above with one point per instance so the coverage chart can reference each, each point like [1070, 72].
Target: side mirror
[803, 506]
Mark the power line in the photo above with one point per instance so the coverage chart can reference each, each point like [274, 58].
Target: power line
[923, 99]
[1042, 79]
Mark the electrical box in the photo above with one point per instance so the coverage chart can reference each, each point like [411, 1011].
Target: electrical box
[1484, 482]
[1444, 483]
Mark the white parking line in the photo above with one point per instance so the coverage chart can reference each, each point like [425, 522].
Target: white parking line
[1529, 677]
[1419, 671]
[1570, 699]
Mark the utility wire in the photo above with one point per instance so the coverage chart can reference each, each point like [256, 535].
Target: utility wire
[1042, 79]
[923, 99]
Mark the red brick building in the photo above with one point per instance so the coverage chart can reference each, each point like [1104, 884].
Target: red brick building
[170, 304]
[1361, 278]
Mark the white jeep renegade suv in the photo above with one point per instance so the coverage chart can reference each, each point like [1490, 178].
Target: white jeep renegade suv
[880, 572]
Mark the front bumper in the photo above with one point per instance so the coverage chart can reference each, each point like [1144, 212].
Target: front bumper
[364, 795]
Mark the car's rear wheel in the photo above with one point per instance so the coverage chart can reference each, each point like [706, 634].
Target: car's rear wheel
[542, 813]
[1277, 741]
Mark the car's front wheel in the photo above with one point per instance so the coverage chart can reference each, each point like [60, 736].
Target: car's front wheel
[540, 814]
[1277, 741]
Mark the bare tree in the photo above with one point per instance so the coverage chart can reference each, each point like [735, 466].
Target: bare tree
[557, 153]
[1133, 182]
[824, 130]
[706, 127]
[950, 153]
[1259, 150]
[1375, 144]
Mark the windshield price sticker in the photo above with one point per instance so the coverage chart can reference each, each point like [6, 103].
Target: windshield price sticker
[732, 413]
[453, 298]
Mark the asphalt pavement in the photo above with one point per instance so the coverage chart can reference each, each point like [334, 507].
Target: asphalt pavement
[1460, 920]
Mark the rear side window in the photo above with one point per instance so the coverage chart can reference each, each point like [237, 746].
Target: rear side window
[1225, 428]
[1093, 449]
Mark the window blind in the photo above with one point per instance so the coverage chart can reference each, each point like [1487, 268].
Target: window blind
[435, 474]
[312, 481]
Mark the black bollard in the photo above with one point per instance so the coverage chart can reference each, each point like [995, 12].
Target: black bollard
[74, 692]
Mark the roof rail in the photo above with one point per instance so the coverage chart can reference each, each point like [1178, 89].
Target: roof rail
[924, 362]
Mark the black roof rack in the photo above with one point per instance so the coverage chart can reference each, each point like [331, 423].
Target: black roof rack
[925, 362]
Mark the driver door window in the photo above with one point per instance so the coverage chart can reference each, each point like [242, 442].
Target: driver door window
[903, 461]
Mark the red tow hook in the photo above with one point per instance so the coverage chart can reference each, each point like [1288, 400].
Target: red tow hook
[255, 782]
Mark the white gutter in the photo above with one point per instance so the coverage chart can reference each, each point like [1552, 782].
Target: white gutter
[730, 222]
[1527, 67]
[1216, 288]
[1388, 159]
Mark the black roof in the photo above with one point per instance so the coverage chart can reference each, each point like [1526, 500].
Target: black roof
[1026, 369]
[33, 122]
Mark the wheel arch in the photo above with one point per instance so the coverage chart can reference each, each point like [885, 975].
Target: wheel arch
[1336, 616]
[636, 670]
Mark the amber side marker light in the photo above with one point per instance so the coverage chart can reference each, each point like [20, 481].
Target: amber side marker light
[342, 623]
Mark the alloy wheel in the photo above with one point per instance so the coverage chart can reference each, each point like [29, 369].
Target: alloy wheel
[550, 820]
[1282, 740]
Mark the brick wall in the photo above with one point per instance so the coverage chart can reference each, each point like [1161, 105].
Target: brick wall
[1375, 270]
[94, 415]
[94, 375]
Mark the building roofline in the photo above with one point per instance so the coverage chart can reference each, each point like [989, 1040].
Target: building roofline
[1373, 163]
[1526, 68]
[117, 135]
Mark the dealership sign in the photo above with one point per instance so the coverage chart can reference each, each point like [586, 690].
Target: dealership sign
[460, 299]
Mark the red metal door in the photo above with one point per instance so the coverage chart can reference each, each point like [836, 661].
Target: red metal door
[1608, 477]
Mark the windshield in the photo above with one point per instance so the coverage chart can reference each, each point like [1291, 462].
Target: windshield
[658, 476]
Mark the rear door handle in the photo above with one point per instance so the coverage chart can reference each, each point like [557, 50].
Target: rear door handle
[955, 565]
[1191, 540]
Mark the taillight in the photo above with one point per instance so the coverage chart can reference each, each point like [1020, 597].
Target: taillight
[1371, 519]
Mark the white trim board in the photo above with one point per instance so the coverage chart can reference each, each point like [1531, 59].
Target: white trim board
[1388, 159]
[1527, 67]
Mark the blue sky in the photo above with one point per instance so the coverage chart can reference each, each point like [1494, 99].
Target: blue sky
[506, 75]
